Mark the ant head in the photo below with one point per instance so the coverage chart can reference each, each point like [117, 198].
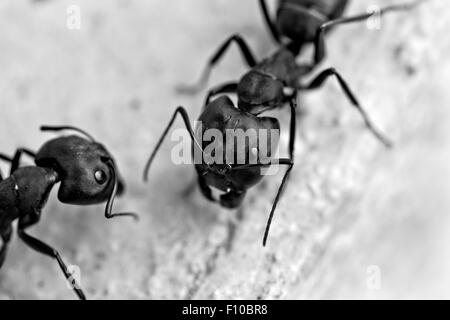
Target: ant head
[86, 169]
[259, 92]
[237, 140]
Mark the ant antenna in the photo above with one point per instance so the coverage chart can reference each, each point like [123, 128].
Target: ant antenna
[109, 204]
[180, 110]
[60, 128]
[286, 162]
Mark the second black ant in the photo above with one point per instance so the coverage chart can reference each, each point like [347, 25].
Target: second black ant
[87, 175]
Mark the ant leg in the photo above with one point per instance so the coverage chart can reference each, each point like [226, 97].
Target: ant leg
[272, 28]
[245, 50]
[43, 248]
[15, 162]
[6, 237]
[277, 198]
[180, 110]
[5, 158]
[319, 42]
[293, 126]
[323, 76]
[286, 162]
[230, 87]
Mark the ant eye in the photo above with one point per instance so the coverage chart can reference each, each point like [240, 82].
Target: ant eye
[100, 176]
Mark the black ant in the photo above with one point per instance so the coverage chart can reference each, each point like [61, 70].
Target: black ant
[227, 176]
[86, 171]
[298, 23]
[275, 80]
[269, 84]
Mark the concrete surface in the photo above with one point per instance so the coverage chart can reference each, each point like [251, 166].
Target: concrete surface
[354, 213]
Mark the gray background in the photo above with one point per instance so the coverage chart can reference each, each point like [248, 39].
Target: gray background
[350, 204]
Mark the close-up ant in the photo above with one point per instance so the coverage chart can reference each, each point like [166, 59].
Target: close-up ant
[86, 171]
[315, 168]
[233, 179]
[270, 84]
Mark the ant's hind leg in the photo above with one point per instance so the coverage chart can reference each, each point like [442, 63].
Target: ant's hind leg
[214, 60]
[328, 73]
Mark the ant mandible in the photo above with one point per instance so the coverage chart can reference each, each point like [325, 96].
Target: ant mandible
[275, 80]
[86, 171]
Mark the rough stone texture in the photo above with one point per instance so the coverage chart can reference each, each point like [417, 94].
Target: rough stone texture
[350, 203]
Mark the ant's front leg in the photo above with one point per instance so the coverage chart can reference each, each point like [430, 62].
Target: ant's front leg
[15, 162]
[36, 244]
[326, 74]
[245, 50]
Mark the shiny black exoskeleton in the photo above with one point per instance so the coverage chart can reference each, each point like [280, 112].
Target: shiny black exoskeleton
[227, 173]
[87, 175]
[303, 22]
